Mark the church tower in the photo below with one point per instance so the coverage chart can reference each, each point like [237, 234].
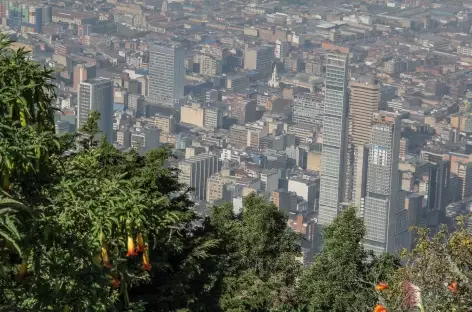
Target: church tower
[274, 79]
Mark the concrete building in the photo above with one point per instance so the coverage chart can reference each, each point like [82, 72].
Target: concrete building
[464, 49]
[195, 171]
[308, 108]
[403, 148]
[464, 174]
[407, 218]
[284, 200]
[209, 65]
[306, 189]
[191, 151]
[164, 123]
[243, 110]
[439, 182]
[136, 104]
[238, 136]
[269, 180]
[96, 95]
[364, 101]
[237, 82]
[259, 58]
[281, 49]
[193, 114]
[395, 66]
[145, 138]
[81, 73]
[166, 74]
[334, 137]
[62, 127]
[213, 117]
[73, 17]
[383, 195]
[225, 186]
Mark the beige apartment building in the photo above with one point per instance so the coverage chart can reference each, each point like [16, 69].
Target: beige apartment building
[195, 171]
[209, 65]
[193, 114]
[165, 123]
[223, 185]
[364, 101]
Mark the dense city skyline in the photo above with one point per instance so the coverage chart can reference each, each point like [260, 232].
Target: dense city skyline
[313, 106]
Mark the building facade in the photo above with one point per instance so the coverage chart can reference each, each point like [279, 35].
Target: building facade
[96, 95]
[166, 74]
[384, 198]
[334, 137]
[308, 108]
[364, 101]
[195, 172]
[259, 58]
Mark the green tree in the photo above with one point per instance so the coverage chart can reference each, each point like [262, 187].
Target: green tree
[73, 249]
[343, 276]
[436, 274]
[98, 231]
[27, 91]
[259, 262]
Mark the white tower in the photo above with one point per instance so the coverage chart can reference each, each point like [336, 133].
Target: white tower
[164, 7]
[274, 80]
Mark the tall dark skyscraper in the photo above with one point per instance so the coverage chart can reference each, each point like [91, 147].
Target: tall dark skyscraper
[96, 95]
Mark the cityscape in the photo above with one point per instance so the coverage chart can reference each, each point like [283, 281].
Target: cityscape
[317, 108]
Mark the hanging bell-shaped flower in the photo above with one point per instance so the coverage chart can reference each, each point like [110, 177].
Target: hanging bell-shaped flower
[131, 251]
[140, 239]
[104, 251]
[146, 263]
[105, 259]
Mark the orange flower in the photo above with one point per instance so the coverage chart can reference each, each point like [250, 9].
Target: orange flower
[140, 247]
[22, 270]
[381, 286]
[452, 287]
[380, 308]
[146, 263]
[131, 252]
[105, 259]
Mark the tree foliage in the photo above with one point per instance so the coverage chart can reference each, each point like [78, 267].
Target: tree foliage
[260, 257]
[343, 276]
[436, 274]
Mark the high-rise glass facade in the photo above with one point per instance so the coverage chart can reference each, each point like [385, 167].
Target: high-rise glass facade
[334, 137]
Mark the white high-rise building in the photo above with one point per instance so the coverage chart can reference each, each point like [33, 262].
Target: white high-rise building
[281, 49]
[334, 137]
[96, 95]
[166, 74]
[384, 201]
